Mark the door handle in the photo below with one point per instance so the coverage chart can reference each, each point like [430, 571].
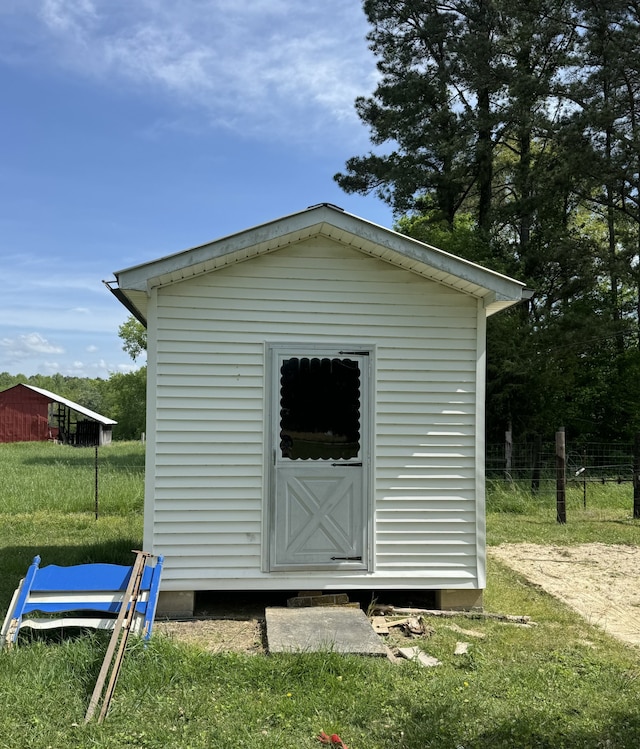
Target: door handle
[347, 465]
[346, 559]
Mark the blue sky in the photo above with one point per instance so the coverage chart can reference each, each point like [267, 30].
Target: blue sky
[132, 129]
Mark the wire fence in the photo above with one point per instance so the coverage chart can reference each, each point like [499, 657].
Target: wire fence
[537, 461]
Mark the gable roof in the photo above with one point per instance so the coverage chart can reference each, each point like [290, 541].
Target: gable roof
[496, 290]
[53, 397]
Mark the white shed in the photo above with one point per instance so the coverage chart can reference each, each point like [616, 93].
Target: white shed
[316, 410]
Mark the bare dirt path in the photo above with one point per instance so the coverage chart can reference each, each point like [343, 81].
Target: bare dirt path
[600, 582]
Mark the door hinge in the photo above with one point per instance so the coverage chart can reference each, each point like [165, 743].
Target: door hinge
[346, 559]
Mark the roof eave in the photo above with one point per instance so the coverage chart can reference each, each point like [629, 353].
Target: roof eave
[104, 420]
[119, 294]
[325, 220]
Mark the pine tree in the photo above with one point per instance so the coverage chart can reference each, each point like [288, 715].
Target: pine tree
[432, 107]
[508, 132]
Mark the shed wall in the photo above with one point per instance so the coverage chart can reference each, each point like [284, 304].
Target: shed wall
[24, 416]
[206, 498]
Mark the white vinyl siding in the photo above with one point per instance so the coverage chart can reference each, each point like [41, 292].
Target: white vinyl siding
[210, 484]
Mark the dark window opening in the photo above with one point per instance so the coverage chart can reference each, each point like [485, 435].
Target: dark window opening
[319, 409]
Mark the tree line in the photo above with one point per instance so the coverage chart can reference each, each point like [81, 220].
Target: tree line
[508, 132]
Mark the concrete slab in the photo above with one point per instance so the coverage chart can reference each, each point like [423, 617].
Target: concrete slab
[322, 629]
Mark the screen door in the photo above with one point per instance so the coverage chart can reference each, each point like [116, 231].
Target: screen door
[320, 437]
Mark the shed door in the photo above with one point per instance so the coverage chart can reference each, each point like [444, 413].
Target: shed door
[319, 512]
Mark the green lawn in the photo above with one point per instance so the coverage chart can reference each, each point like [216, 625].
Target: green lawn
[515, 515]
[561, 683]
[48, 503]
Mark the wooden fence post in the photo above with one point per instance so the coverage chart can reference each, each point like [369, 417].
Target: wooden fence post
[508, 454]
[535, 472]
[636, 476]
[561, 476]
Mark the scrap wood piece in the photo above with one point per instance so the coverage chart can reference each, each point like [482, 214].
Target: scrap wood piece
[391, 656]
[379, 624]
[410, 624]
[324, 599]
[415, 654]
[466, 632]
[446, 614]
[413, 626]
[398, 622]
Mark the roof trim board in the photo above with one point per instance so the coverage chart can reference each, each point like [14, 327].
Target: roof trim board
[496, 290]
[73, 406]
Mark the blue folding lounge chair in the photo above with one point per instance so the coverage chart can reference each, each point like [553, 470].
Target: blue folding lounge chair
[84, 595]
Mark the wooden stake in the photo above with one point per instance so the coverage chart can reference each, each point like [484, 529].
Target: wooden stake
[561, 477]
[508, 454]
[126, 630]
[636, 476]
[535, 473]
[128, 605]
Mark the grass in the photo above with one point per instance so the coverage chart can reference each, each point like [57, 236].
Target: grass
[561, 683]
[47, 506]
[604, 514]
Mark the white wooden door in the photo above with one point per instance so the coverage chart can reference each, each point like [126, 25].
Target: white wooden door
[320, 509]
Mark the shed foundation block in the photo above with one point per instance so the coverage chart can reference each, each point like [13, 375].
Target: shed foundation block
[175, 604]
[459, 600]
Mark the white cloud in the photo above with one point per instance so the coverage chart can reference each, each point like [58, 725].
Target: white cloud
[126, 368]
[68, 16]
[258, 67]
[27, 345]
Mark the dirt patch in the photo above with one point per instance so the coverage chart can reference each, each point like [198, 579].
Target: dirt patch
[216, 635]
[599, 581]
[225, 622]
[234, 622]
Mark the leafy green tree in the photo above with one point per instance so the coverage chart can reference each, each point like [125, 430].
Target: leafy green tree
[127, 392]
[134, 337]
[127, 399]
[8, 380]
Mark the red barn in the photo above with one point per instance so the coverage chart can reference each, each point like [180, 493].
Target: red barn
[32, 414]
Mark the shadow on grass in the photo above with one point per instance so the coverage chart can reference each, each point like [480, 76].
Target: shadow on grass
[528, 727]
[119, 459]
